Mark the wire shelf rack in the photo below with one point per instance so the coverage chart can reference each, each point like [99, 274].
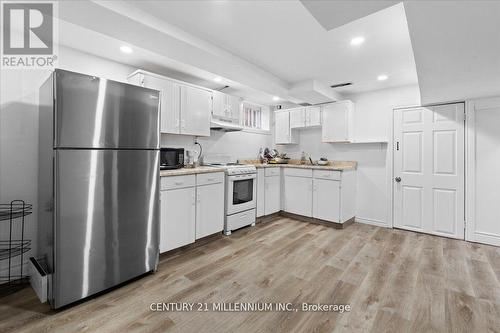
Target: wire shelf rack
[13, 244]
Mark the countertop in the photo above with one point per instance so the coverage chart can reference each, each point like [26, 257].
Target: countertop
[332, 165]
[190, 171]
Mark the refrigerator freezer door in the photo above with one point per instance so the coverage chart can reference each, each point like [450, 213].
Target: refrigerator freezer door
[106, 219]
[92, 112]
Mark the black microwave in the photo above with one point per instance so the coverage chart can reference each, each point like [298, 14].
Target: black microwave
[171, 158]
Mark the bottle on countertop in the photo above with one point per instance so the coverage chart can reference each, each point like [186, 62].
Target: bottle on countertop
[303, 158]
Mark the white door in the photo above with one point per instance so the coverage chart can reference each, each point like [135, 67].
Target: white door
[196, 108]
[429, 169]
[326, 200]
[483, 161]
[273, 195]
[177, 215]
[298, 195]
[313, 116]
[282, 127]
[209, 209]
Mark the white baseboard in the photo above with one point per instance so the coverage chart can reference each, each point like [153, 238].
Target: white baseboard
[485, 238]
[378, 223]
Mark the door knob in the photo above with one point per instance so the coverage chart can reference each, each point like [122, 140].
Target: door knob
[397, 179]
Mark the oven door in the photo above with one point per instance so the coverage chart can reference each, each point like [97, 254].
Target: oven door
[241, 193]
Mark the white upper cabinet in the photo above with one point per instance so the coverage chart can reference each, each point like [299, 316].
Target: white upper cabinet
[234, 106]
[219, 104]
[185, 109]
[226, 106]
[338, 124]
[283, 133]
[196, 107]
[297, 118]
[313, 116]
[169, 104]
[305, 117]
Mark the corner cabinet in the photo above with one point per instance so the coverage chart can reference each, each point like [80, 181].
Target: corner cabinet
[338, 122]
[185, 109]
[283, 132]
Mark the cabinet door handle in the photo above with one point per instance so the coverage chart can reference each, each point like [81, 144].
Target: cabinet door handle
[179, 183]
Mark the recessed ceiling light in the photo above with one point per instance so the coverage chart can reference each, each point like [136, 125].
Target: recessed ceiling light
[276, 98]
[382, 77]
[218, 79]
[126, 49]
[357, 41]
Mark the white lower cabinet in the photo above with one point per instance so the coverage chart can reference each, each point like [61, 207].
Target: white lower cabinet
[192, 207]
[272, 192]
[177, 218]
[324, 194]
[298, 195]
[326, 200]
[209, 209]
[260, 192]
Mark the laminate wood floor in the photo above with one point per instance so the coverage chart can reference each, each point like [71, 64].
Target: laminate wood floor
[394, 281]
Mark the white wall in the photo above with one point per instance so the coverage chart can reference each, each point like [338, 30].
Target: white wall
[236, 145]
[373, 118]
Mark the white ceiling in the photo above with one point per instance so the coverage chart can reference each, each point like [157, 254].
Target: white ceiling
[333, 14]
[265, 48]
[284, 39]
[457, 48]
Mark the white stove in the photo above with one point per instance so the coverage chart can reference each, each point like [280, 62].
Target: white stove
[235, 168]
[241, 191]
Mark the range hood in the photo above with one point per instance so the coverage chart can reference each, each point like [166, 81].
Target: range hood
[224, 126]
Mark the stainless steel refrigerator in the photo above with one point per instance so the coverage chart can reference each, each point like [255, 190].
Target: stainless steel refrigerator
[98, 223]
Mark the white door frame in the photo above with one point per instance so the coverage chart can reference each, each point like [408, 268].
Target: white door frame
[470, 170]
[390, 182]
